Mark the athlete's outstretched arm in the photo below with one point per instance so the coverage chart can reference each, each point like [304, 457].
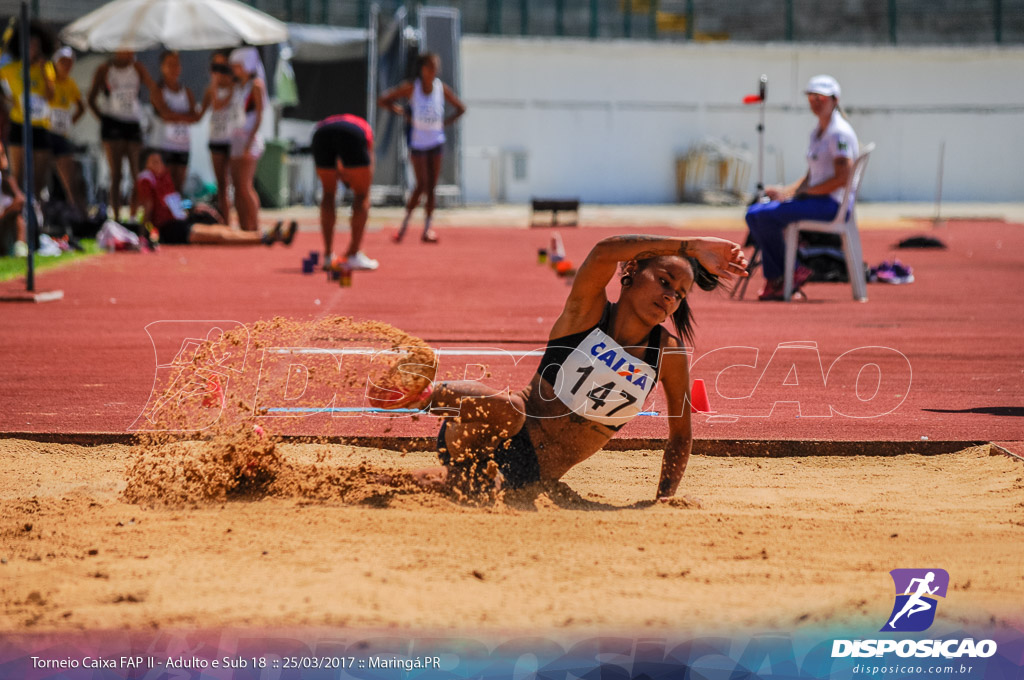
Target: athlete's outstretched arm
[719, 256]
[675, 379]
[587, 298]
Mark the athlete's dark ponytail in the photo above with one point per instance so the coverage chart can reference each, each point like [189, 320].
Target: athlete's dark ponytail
[683, 318]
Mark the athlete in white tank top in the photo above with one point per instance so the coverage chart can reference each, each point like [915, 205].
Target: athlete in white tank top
[170, 135]
[426, 137]
[245, 119]
[427, 116]
[222, 116]
[175, 114]
[114, 98]
[219, 100]
[246, 140]
[123, 84]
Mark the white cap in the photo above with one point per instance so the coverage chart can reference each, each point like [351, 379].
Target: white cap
[64, 53]
[825, 85]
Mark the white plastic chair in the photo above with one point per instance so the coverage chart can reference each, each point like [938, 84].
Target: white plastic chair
[844, 224]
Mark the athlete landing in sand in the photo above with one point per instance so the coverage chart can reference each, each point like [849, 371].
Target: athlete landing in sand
[601, 363]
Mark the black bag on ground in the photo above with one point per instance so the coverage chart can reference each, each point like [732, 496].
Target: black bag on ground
[63, 218]
[828, 264]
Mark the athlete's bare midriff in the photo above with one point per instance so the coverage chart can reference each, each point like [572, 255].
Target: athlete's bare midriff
[560, 437]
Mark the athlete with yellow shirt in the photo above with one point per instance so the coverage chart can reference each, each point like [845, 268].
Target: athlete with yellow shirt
[41, 91]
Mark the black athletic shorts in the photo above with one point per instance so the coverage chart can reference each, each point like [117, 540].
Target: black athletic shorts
[174, 157]
[220, 148]
[60, 145]
[40, 137]
[114, 130]
[175, 232]
[515, 456]
[340, 140]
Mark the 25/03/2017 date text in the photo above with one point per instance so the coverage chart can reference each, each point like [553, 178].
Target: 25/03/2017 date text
[405, 664]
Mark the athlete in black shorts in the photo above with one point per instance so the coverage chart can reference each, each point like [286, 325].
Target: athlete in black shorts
[343, 150]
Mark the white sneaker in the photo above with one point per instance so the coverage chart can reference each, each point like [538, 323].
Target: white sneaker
[20, 249]
[361, 261]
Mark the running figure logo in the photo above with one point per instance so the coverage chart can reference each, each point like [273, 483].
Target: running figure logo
[916, 592]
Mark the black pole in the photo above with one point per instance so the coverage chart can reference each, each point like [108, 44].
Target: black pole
[893, 21]
[997, 19]
[30, 213]
[763, 94]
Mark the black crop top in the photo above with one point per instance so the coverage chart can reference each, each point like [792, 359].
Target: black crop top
[604, 382]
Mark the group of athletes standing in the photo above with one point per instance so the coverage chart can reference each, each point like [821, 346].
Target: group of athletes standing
[236, 98]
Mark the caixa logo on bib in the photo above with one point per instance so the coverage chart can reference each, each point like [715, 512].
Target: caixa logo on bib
[917, 591]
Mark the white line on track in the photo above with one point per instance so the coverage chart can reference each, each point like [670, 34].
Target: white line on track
[442, 351]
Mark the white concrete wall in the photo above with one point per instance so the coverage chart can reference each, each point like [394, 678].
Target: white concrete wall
[605, 120]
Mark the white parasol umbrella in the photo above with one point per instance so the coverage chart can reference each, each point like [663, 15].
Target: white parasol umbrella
[139, 25]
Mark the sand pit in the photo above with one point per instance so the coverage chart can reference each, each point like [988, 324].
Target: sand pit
[767, 543]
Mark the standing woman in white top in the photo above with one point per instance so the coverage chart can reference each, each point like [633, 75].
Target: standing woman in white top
[218, 98]
[251, 104]
[427, 96]
[120, 80]
[175, 108]
[816, 196]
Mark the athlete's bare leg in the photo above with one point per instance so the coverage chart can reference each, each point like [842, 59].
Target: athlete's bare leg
[328, 211]
[419, 168]
[480, 419]
[223, 234]
[220, 171]
[359, 181]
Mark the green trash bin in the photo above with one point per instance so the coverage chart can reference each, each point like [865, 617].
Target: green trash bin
[272, 175]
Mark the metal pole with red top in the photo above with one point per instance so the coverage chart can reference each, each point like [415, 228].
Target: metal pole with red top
[759, 98]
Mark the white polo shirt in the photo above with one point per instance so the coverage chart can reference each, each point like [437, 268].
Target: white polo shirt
[838, 141]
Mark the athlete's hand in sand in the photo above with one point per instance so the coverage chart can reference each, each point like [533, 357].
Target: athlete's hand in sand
[720, 257]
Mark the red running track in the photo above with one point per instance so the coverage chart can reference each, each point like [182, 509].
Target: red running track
[952, 367]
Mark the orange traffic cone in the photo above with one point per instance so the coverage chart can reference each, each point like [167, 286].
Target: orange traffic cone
[699, 398]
